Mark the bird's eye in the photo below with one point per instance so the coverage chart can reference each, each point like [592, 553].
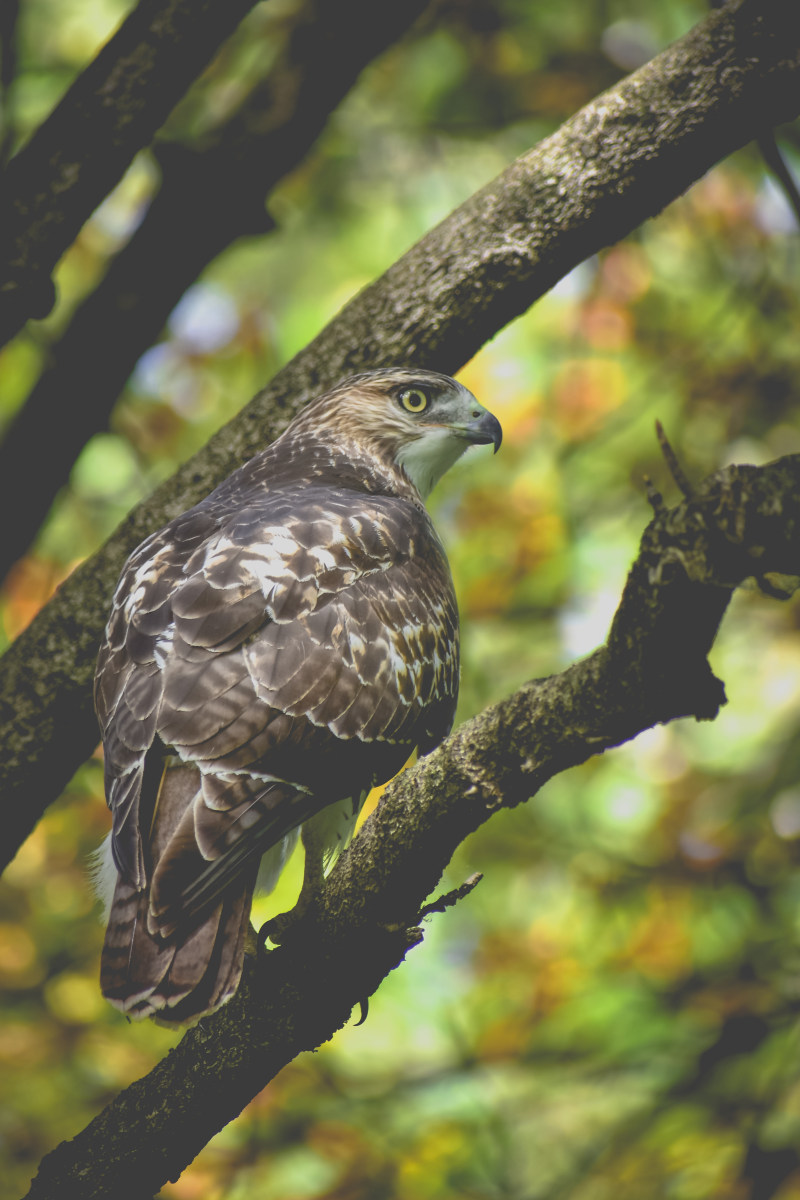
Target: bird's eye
[413, 400]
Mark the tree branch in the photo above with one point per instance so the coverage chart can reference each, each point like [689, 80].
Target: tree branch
[652, 669]
[84, 147]
[618, 161]
[233, 171]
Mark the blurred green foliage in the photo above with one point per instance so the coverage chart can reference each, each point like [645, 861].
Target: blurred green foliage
[613, 1011]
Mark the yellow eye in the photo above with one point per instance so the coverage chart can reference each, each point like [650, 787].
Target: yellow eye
[413, 400]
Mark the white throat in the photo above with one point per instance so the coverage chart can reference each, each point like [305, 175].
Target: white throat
[427, 458]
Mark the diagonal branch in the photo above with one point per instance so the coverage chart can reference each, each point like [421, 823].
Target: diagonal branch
[233, 171]
[86, 144]
[618, 161]
[653, 668]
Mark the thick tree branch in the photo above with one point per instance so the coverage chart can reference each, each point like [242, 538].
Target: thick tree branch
[233, 171]
[618, 161]
[653, 668]
[84, 147]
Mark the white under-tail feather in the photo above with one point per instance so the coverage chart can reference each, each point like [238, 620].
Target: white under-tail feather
[103, 875]
[103, 870]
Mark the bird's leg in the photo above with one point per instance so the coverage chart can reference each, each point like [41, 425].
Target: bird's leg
[313, 877]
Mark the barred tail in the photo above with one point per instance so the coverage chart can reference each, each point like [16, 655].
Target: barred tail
[177, 978]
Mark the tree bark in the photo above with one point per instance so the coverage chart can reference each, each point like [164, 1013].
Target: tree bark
[84, 147]
[653, 668]
[233, 170]
[618, 161]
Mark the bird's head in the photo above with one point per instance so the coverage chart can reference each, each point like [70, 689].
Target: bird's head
[420, 420]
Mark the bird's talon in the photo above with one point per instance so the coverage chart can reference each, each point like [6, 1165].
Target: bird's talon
[262, 937]
[273, 931]
[364, 1006]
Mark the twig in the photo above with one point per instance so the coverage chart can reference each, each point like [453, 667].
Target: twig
[675, 469]
[442, 903]
[654, 497]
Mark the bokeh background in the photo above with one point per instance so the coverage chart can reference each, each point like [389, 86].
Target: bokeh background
[613, 1012]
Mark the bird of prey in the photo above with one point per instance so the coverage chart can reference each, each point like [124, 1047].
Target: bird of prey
[271, 655]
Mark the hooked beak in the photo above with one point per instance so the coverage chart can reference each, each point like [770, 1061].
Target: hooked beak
[484, 429]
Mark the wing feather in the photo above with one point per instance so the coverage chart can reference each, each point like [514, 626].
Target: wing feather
[241, 638]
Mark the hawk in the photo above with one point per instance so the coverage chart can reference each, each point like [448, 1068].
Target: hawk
[271, 655]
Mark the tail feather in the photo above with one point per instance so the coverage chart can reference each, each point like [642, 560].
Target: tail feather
[180, 971]
[180, 977]
[133, 962]
[233, 934]
[223, 966]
